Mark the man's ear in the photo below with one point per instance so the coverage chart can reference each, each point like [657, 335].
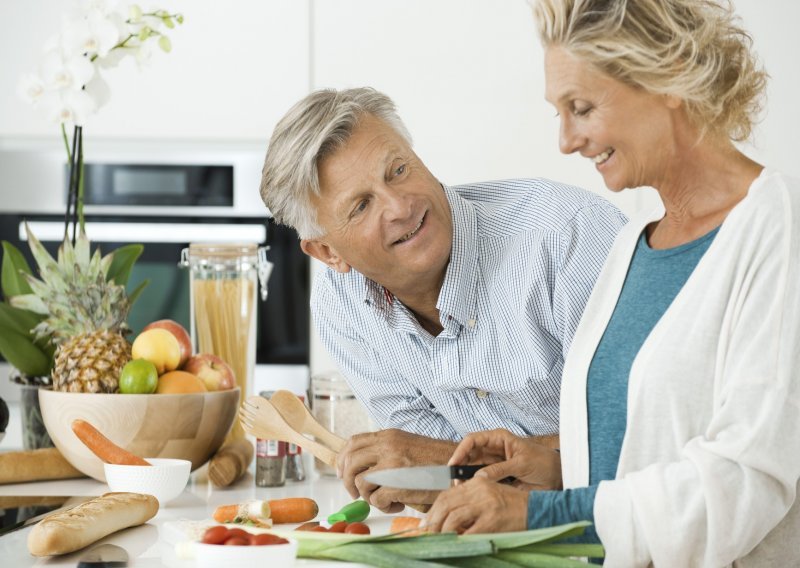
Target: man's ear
[324, 253]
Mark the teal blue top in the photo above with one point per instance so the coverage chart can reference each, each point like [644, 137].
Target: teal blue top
[654, 279]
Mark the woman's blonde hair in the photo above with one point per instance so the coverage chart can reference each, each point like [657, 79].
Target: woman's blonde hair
[693, 49]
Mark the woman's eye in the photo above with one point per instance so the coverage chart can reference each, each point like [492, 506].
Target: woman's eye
[581, 111]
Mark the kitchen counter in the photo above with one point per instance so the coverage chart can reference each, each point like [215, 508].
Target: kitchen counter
[152, 544]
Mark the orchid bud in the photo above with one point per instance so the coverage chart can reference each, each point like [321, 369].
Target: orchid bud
[164, 44]
[134, 13]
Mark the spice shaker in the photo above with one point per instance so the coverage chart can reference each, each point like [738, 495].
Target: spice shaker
[270, 459]
[294, 459]
[335, 406]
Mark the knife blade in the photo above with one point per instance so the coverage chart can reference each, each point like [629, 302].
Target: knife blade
[104, 556]
[429, 477]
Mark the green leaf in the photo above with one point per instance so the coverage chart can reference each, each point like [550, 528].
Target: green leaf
[22, 353]
[367, 553]
[524, 538]
[133, 296]
[122, 263]
[566, 549]
[481, 562]
[19, 320]
[14, 269]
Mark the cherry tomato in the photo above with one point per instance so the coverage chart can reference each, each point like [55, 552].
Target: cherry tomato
[319, 528]
[338, 527]
[261, 539]
[215, 535]
[307, 526]
[238, 533]
[357, 528]
[237, 541]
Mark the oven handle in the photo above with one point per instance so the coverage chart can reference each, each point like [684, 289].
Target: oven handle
[113, 232]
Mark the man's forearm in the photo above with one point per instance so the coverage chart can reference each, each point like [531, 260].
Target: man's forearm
[551, 441]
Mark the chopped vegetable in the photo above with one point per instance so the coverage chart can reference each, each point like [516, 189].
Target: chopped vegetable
[102, 447]
[293, 510]
[407, 525]
[242, 513]
[356, 511]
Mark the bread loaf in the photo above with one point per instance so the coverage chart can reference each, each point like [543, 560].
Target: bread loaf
[35, 465]
[84, 524]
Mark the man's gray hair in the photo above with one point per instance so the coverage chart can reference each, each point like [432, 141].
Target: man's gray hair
[314, 128]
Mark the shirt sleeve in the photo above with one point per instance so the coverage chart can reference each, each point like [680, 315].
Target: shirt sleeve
[391, 400]
[585, 242]
[551, 508]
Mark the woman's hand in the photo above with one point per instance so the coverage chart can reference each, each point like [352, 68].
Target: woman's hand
[479, 506]
[533, 465]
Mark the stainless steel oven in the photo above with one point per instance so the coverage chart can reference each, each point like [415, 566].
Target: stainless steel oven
[165, 197]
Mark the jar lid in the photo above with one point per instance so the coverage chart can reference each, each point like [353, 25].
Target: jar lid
[223, 251]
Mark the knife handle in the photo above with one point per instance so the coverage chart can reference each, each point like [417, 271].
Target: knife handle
[464, 471]
[468, 472]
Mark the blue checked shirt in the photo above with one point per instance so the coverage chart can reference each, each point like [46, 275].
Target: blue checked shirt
[525, 256]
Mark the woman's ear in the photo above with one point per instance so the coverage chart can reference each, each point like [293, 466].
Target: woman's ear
[323, 252]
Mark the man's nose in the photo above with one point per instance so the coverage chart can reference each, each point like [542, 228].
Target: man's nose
[397, 204]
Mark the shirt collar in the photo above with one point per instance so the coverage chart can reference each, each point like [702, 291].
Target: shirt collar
[457, 298]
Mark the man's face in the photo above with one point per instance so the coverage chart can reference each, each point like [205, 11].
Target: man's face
[382, 211]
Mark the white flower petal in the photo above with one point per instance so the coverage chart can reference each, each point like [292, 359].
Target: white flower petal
[31, 88]
[98, 90]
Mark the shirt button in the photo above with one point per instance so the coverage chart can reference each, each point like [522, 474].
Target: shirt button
[471, 322]
[481, 393]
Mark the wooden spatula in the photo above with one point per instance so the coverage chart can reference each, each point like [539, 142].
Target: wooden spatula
[262, 420]
[301, 420]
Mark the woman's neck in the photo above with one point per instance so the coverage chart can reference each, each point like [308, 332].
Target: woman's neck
[699, 188]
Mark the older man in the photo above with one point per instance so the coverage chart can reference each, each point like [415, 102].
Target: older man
[448, 309]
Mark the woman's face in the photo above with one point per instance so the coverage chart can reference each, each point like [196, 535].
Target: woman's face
[628, 133]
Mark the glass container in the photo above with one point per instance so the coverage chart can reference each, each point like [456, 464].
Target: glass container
[335, 406]
[223, 284]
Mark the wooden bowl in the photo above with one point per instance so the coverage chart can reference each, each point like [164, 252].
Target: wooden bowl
[183, 426]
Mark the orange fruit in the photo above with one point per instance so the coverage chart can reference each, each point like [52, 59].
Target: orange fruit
[177, 382]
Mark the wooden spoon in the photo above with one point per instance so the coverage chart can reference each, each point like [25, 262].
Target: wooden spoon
[300, 418]
[262, 420]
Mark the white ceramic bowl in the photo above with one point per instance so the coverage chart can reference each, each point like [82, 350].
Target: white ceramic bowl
[266, 555]
[165, 479]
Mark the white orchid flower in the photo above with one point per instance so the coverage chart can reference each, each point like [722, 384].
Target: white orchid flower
[60, 70]
[31, 88]
[67, 106]
[98, 90]
[93, 35]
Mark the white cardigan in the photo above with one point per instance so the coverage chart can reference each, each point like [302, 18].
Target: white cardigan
[710, 461]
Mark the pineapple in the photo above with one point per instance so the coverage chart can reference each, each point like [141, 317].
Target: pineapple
[85, 315]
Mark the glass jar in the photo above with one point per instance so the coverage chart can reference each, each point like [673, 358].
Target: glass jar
[223, 283]
[335, 406]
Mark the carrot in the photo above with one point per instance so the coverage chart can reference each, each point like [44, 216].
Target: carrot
[293, 510]
[406, 525]
[102, 447]
[256, 511]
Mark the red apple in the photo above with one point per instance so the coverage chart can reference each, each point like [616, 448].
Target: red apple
[180, 334]
[213, 371]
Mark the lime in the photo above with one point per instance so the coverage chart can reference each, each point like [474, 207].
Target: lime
[138, 377]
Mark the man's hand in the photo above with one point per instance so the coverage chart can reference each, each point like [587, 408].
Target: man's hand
[387, 449]
[479, 506]
[535, 466]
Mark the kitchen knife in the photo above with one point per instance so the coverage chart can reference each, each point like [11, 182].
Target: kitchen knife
[104, 556]
[429, 477]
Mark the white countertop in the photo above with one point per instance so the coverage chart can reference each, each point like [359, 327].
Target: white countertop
[149, 544]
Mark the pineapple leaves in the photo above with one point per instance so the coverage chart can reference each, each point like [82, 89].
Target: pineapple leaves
[122, 263]
[14, 270]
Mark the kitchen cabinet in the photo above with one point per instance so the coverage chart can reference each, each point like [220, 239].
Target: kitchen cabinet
[234, 69]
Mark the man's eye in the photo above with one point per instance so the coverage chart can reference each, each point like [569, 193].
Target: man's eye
[400, 170]
[362, 205]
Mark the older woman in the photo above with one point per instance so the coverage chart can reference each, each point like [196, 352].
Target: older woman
[680, 406]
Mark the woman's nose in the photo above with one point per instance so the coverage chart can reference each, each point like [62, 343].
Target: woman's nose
[569, 139]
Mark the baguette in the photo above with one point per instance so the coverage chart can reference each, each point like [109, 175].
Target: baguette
[76, 528]
[35, 465]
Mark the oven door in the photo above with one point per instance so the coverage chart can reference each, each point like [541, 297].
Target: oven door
[282, 322]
